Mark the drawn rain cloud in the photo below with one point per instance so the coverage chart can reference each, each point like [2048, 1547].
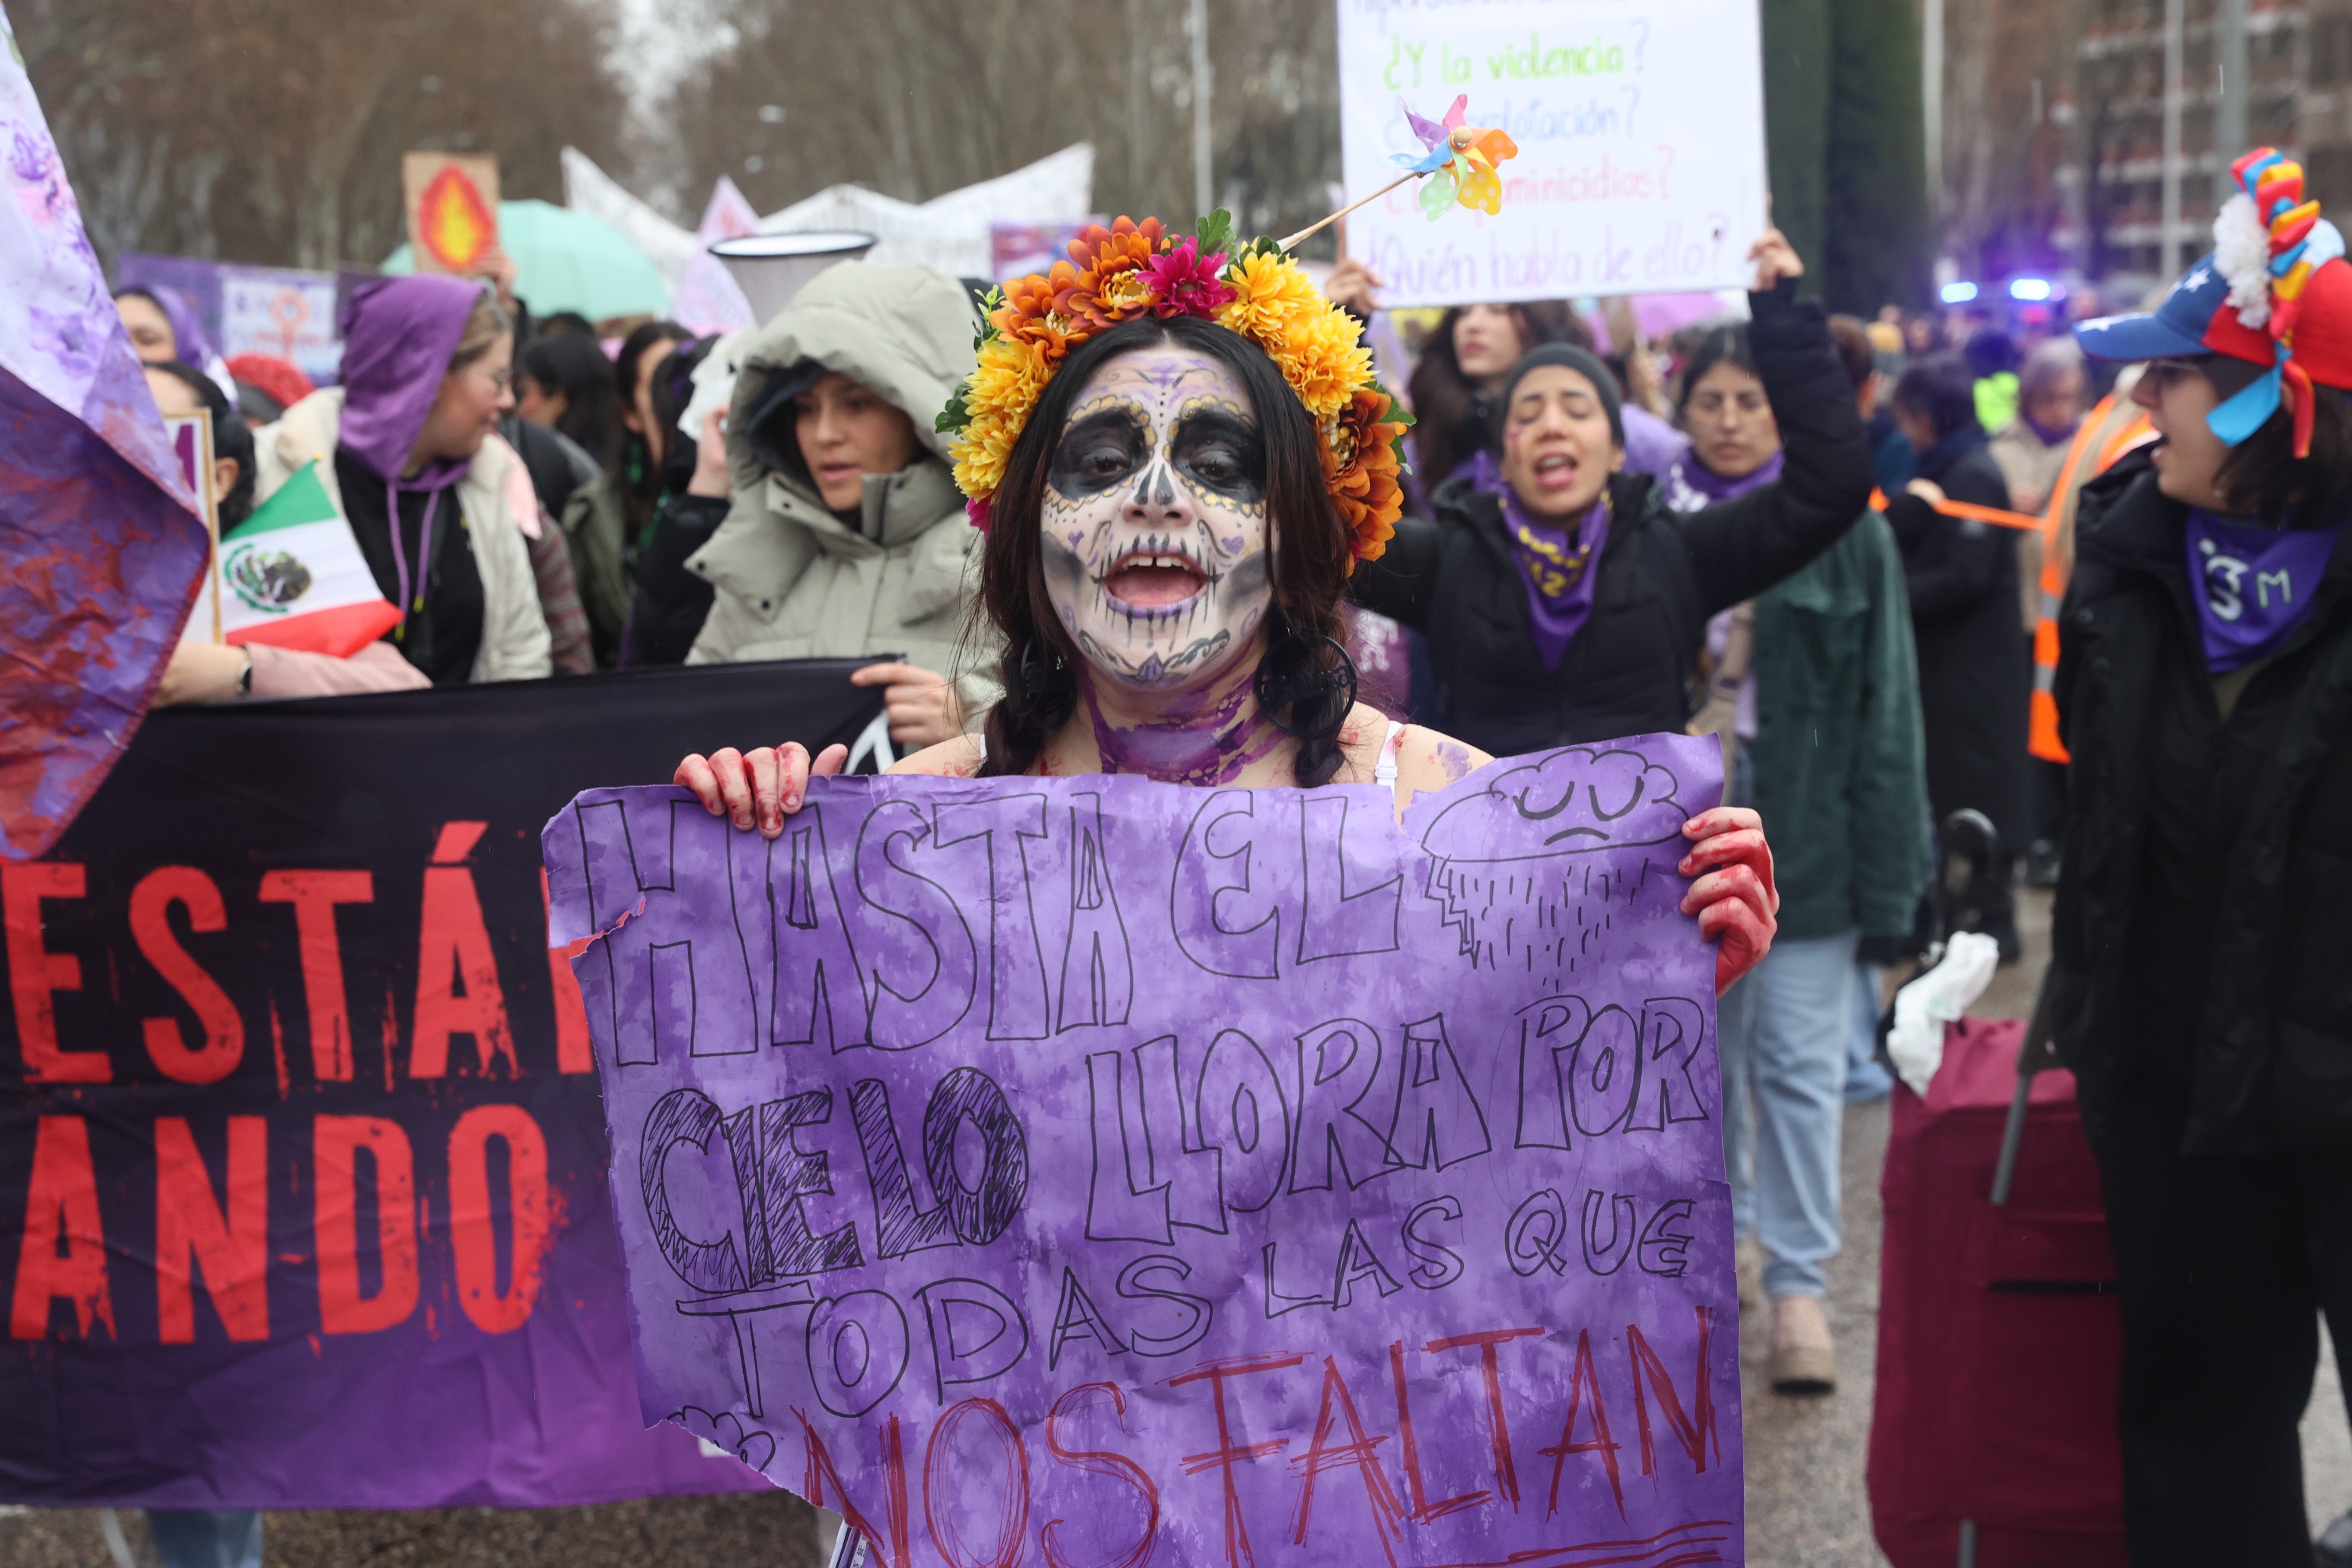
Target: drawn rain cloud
[1512, 864]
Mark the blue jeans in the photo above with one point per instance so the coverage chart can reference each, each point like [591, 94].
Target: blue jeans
[1866, 1083]
[1782, 1034]
[207, 1538]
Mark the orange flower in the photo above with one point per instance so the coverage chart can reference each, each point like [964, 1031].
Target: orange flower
[1028, 314]
[1359, 465]
[1103, 281]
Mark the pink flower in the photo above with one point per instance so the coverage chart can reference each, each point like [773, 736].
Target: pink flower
[1184, 282]
[979, 510]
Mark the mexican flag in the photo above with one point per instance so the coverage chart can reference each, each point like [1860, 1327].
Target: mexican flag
[292, 575]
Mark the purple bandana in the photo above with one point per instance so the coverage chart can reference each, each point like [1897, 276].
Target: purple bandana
[1557, 565]
[2257, 584]
[1690, 484]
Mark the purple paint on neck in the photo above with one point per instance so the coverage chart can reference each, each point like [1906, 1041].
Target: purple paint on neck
[1207, 740]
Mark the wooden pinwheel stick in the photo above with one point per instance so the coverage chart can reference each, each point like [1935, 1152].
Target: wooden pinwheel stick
[1352, 206]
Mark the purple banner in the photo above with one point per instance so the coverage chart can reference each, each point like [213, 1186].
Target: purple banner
[1090, 1171]
[302, 1162]
[100, 550]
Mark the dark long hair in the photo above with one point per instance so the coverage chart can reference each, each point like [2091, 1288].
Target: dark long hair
[2262, 477]
[639, 476]
[1310, 540]
[572, 363]
[1450, 418]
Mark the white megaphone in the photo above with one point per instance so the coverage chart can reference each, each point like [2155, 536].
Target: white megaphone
[771, 267]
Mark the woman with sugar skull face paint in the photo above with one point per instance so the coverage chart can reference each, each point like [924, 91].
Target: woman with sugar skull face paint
[1171, 538]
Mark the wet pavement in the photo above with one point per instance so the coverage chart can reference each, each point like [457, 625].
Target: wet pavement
[1807, 1507]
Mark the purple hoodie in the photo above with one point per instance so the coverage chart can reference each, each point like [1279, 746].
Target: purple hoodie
[399, 335]
[190, 346]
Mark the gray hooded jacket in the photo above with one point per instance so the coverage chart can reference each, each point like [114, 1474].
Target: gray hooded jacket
[794, 581]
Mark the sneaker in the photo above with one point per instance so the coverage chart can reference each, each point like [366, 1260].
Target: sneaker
[2333, 1547]
[1866, 1083]
[1803, 1359]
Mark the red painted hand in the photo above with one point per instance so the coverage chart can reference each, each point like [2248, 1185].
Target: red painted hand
[1733, 894]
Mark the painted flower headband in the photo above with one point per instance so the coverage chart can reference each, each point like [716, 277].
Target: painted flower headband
[2267, 242]
[1256, 288]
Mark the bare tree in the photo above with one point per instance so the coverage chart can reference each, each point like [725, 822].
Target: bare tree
[271, 131]
[916, 97]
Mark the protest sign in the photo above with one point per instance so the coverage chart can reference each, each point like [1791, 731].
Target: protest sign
[1641, 144]
[1099, 1170]
[302, 1196]
[452, 201]
[282, 311]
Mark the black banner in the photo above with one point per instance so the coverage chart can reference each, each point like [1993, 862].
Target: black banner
[302, 1196]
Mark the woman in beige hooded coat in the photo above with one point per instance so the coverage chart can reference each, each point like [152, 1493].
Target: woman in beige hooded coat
[846, 536]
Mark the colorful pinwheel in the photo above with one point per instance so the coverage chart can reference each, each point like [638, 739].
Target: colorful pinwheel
[1459, 160]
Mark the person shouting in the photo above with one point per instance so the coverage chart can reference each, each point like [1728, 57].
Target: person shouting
[1562, 599]
[2198, 976]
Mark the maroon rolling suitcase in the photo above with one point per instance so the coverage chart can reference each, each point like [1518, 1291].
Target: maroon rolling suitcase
[1992, 1440]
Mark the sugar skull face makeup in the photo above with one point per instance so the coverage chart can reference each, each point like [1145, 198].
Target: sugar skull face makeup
[1157, 549]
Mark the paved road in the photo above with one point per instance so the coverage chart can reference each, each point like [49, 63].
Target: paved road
[1807, 1507]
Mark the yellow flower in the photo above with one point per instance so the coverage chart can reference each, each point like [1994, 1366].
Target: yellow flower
[1270, 291]
[981, 452]
[1277, 307]
[999, 393]
[1323, 361]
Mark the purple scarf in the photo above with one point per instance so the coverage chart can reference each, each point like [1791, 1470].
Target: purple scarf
[2254, 585]
[399, 335]
[1558, 566]
[1690, 485]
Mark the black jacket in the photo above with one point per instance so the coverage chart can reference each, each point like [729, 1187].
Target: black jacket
[1976, 673]
[1661, 575]
[671, 602]
[2202, 930]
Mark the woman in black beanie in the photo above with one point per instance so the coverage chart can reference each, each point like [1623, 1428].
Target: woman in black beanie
[1563, 601]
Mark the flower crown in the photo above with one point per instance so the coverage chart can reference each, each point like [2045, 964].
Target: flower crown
[1135, 269]
[2267, 242]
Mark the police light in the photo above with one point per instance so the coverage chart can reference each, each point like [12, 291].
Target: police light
[2032, 289]
[1957, 293]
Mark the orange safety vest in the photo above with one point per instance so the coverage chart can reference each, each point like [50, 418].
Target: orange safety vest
[2042, 738]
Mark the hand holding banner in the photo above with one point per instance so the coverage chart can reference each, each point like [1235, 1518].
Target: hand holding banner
[1104, 1168]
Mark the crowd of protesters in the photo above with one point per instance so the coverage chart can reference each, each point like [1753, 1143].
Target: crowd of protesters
[1604, 537]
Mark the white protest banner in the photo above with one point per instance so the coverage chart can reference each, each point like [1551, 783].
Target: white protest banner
[1640, 126]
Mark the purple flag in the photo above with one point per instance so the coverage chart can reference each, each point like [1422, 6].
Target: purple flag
[1090, 1171]
[101, 551]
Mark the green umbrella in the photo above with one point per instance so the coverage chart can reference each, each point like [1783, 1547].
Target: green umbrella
[568, 260]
